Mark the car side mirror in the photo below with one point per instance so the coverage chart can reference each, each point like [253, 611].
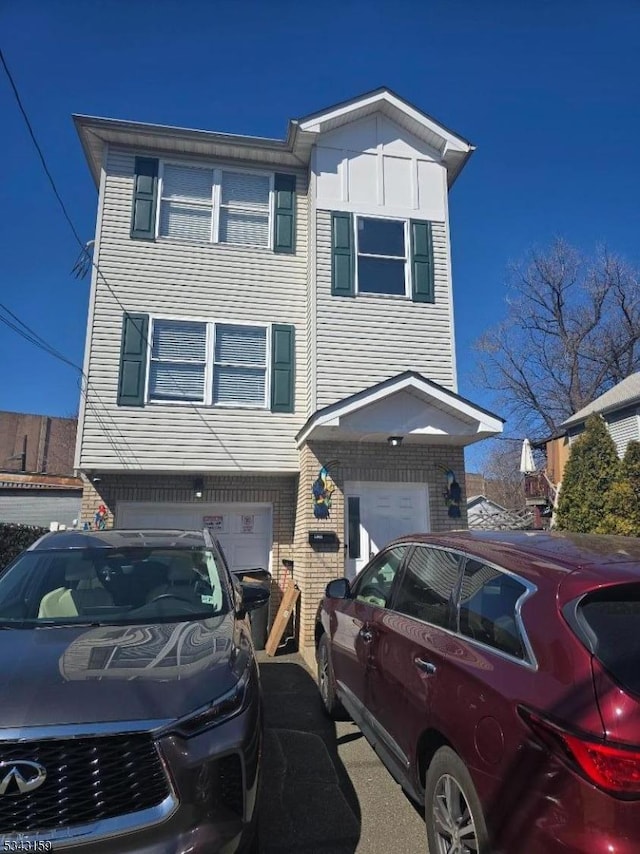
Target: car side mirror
[254, 596]
[339, 588]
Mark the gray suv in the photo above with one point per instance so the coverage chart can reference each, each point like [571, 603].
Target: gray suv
[130, 718]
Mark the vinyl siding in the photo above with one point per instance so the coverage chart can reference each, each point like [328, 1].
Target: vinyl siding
[179, 279]
[623, 429]
[363, 340]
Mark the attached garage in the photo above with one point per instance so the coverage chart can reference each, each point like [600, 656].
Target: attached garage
[245, 531]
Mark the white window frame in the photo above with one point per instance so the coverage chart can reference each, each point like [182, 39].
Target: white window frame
[209, 364]
[218, 205]
[267, 355]
[406, 258]
[150, 359]
[216, 197]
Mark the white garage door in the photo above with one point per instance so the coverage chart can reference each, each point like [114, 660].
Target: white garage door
[244, 530]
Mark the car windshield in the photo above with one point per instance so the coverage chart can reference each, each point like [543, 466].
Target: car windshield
[112, 586]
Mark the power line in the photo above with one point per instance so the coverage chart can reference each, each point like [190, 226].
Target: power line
[36, 340]
[33, 338]
[38, 149]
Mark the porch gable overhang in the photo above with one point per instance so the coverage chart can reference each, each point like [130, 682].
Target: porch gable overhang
[407, 405]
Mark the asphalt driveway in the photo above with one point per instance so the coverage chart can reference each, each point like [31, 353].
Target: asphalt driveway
[323, 788]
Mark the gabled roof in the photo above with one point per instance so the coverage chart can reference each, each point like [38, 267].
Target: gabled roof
[622, 395]
[453, 148]
[292, 151]
[478, 423]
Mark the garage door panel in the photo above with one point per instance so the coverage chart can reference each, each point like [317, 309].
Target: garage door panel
[244, 531]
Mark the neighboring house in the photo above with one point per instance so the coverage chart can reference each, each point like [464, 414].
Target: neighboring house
[270, 347]
[37, 483]
[620, 408]
[485, 514]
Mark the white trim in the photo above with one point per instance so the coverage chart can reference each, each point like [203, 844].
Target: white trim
[311, 351]
[370, 210]
[489, 423]
[452, 326]
[91, 311]
[448, 139]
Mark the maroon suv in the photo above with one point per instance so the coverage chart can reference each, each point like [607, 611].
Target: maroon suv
[497, 675]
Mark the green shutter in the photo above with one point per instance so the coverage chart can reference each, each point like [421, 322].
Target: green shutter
[145, 198]
[284, 221]
[133, 359]
[282, 367]
[342, 261]
[421, 262]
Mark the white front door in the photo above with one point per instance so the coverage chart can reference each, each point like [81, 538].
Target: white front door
[376, 513]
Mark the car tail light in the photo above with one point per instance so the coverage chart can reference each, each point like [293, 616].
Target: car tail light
[611, 767]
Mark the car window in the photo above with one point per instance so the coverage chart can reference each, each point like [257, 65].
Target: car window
[612, 616]
[375, 583]
[113, 586]
[487, 609]
[427, 585]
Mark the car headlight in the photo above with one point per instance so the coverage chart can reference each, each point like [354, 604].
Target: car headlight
[221, 709]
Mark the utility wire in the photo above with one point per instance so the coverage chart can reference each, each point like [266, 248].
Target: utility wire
[32, 337]
[37, 147]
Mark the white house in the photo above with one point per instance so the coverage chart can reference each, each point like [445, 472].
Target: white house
[270, 346]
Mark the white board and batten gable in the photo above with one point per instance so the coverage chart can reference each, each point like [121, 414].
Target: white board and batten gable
[378, 155]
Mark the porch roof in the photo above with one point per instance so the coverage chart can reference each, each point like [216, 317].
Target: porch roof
[407, 405]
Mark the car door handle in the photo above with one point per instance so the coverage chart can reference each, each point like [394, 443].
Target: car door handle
[366, 635]
[427, 666]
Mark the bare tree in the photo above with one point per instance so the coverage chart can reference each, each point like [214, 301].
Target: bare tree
[572, 331]
[501, 471]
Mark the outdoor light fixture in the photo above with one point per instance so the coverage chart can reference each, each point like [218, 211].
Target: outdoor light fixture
[394, 441]
[198, 487]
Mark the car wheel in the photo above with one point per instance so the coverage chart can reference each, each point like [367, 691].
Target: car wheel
[453, 814]
[326, 681]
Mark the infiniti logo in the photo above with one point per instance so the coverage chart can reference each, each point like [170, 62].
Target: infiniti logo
[18, 778]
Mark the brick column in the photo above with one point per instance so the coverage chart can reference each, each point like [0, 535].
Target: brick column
[314, 566]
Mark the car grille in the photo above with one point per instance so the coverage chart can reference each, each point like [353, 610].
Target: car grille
[231, 784]
[88, 779]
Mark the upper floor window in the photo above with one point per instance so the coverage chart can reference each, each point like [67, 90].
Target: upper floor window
[180, 368]
[215, 205]
[178, 360]
[240, 364]
[204, 362]
[381, 251]
[382, 257]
